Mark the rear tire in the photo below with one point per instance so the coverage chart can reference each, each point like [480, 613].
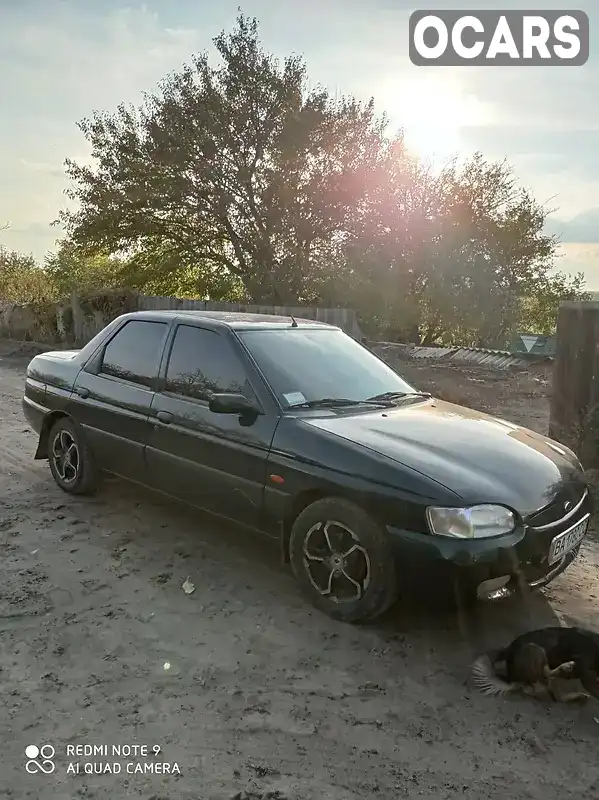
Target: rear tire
[343, 561]
[71, 463]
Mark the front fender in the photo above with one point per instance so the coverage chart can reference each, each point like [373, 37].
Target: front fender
[306, 464]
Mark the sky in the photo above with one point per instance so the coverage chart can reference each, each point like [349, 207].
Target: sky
[64, 59]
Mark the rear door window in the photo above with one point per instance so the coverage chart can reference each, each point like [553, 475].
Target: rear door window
[133, 354]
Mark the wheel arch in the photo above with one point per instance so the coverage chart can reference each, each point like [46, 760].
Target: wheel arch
[49, 420]
[304, 499]
[376, 594]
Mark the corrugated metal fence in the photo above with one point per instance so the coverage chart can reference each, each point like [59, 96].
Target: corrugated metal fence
[496, 359]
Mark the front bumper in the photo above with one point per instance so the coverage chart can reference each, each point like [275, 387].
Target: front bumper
[503, 562]
[508, 585]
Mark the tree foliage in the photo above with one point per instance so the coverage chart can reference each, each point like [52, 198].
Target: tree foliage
[21, 279]
[70, 268]
[237, 167]
[456, 253]
[539, 307]
[237, 181]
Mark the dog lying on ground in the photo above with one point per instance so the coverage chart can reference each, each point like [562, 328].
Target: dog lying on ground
[535, 660]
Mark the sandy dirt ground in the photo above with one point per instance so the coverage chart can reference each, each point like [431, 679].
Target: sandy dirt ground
[241, 688]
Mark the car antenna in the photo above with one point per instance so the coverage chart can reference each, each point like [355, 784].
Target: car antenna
[293, 322]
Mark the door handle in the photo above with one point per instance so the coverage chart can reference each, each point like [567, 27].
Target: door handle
[165, 416]
[82, 391]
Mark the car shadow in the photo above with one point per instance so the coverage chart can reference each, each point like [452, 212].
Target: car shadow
[429, 606]
[428, 633]
[440, 625]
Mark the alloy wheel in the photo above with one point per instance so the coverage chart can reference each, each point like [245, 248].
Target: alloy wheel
[337, 565]
[65, 457]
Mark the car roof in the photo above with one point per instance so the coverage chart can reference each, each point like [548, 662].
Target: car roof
[238, 320]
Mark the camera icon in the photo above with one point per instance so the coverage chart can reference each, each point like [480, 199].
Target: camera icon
[40, 759]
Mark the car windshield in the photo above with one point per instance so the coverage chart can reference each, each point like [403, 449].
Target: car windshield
[309, 365]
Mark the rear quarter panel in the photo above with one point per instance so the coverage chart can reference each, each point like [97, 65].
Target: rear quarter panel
[57, 375]
[48, 387]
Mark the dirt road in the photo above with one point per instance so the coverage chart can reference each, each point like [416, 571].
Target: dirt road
[243, 687]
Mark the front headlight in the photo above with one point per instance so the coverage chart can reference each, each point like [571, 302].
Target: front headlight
[476, 522]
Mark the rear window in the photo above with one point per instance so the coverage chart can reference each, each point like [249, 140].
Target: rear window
[134, 353]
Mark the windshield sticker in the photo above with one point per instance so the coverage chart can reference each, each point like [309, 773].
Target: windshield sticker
[294, 398]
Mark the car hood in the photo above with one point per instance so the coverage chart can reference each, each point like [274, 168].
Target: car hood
[479, 457]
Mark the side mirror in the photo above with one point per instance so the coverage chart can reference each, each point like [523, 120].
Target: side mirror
[232, 404]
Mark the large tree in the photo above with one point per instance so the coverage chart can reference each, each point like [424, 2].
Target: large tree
[237, 166]
[238, 181]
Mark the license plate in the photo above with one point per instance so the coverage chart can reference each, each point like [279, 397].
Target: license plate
[567, 541]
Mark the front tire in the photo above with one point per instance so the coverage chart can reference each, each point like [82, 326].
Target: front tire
[71, 462]
[343, 561]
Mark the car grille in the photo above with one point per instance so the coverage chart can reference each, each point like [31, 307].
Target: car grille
[544, 525]
[563, 510]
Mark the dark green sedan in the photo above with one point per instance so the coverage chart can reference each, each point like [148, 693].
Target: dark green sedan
[292, 428]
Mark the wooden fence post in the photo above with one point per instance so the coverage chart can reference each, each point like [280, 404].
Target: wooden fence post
[78, 320]
[574, 418]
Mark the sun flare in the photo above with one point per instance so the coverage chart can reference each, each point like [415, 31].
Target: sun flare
[432, 113]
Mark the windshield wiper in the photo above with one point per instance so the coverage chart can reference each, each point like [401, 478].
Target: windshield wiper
[396, 396]
[339, 402]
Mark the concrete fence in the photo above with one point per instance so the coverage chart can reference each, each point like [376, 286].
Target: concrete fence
[76, 320]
